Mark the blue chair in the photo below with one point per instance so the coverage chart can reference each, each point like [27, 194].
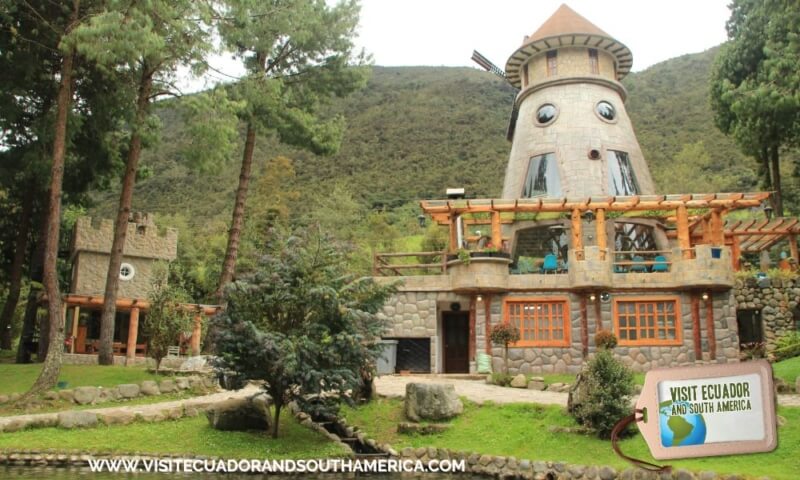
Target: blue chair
[638, 265]
[550, 264]
[661, 264]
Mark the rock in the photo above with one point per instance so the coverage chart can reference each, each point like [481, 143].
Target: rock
[182, 383]
[85, 395]
[107, 394]
[558, 387]
[420, 429]
[3, 398]
[431, 401]
[116, 417]
[707, 476]
[239, 414]
[520, 381]
[167, 386]
[128, 390]
[607, 473]
[14, 397]
[682, 475]
[48, 395]
[150, 387]
[77, 419]
[194, 364]
[66, 395]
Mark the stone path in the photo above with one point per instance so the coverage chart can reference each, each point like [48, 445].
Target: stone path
[144, 411]
[477, 391]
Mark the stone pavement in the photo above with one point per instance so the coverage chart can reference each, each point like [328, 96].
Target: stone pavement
[479, 391]
[143, 411]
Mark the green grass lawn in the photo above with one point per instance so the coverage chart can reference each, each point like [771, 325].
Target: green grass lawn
[190, 436]
[788, 370]
[521, 430]
[18, 378]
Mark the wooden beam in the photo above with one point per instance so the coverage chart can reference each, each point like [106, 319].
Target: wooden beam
[133, 333]
[584, 328]
[197, 331]
[698, 346]
[598, 314]
[684, 240]
[710, 332]
[497, 231]
[127, 304]
[793, 248]
[600, 232]
[453, 233]
[717, 234]
[736, 254]
[577, 234]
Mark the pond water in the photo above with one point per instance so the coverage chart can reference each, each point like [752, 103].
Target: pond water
[74, 473]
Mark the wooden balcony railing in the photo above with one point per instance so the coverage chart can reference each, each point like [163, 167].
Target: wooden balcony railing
[635, 261]
[409, 263]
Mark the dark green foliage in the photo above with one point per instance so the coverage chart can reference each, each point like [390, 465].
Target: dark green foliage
[166, 318]
[301, 324]
[607, 386]
[502, 379]
[787, 346]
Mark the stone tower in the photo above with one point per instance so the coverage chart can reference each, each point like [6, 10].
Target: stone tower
[572, 136]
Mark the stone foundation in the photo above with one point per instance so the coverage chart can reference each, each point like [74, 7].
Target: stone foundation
[778, 301]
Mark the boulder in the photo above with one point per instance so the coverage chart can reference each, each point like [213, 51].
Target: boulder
[107, 394]
[77, 419]
[431, 401]
[3, 398]
[536, 383]
[49, 395]
[150, 387]
[66, 395]
[519, 381]
[239, 414]
[85, 395]
[558, 387]
[167, 386]
[422, 429]
[182, 383]
[128, 390]
[116, 417]
[194, 364]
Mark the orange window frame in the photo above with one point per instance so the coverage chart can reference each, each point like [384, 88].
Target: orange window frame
[638, 319]
[540, 319]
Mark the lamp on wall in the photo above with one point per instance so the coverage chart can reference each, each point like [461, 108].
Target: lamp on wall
[592, 297]
[479, 298]
[705, 296]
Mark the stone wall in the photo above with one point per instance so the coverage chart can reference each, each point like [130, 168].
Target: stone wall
[90, 270]
[778, 301]
[572, 62]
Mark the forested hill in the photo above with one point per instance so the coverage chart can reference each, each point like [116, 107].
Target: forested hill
[416, 130]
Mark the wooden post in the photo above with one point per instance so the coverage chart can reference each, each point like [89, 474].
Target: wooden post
[584, 328]
[487, 315]
[497, 231]
[717, 228]
[196, 332]
[600, 231]
[76, 314]
[577, 234]
[712, 336]
[736, 253]
[598, 314]
[472, 315]
[453, 233]
[698, 346]
[793, 248]
[684, 240]
[133, 333]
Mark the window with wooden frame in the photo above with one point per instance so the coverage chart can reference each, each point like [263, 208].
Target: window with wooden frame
[542, 322]
[594, 66]
[648, 321]
[552, 63]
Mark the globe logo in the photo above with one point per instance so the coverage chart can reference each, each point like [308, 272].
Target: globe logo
[680, 430]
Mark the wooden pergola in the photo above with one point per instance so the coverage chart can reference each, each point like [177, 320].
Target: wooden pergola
[686, 211]
[134, 306]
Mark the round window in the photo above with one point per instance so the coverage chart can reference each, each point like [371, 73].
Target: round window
[126, 271]
[546, 114]
[606, 111]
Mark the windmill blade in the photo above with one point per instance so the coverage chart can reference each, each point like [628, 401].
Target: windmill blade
[487, 65]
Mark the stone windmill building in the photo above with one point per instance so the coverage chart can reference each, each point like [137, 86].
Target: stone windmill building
[580, 241]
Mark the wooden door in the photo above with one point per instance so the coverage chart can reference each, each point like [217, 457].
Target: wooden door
[80, 342]
[456, 342]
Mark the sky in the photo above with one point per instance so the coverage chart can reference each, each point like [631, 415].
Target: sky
[444, 32]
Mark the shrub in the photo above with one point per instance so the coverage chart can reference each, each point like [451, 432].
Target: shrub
[753, 350]
[605, 340]
[601, 395]
[502, 379]
[503, 334]
[787, 346]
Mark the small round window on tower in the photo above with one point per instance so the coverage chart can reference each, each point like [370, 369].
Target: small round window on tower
[546, 114]
[126, 271]
[606, 111]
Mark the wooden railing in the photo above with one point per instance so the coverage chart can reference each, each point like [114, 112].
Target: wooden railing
[409, 263]
[624, 261]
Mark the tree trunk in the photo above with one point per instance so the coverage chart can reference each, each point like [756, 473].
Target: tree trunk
[15, 281]
[775, 160]
[106, 350]
[505, 358]
[234, 234]
[48, 377]
[32, 306]
[276, 418]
